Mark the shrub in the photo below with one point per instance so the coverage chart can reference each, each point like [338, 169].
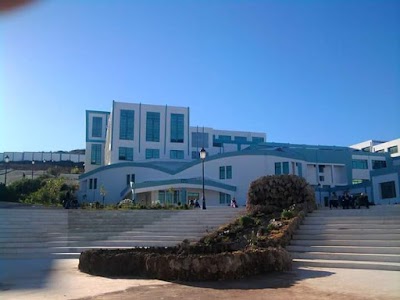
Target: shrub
[276, 192]
[287, 214]
[246, 221]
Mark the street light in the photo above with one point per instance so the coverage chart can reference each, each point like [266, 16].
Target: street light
[6, 159]
[33, 162]
[203, 155]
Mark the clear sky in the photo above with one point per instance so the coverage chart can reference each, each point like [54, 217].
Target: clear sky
[309, 72]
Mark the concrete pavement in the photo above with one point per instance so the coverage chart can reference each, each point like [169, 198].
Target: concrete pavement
[61, 279]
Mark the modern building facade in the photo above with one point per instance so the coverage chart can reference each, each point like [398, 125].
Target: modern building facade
[151, 153]
[391, 147]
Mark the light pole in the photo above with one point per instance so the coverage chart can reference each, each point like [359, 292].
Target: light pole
[203, 155]
[33, 162]
[6, 159]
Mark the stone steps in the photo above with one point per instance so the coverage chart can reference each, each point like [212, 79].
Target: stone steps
[27, 233]
[359, 239]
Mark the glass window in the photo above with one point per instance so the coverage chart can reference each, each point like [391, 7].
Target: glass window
[97, 127]
[366, 149]
[125, 153]
[176, 154]
[95, 183]
[152, 153]
[221, 172]
[278, 168]
[240, 139]
[126, 124]
[380, 151]
[360, 164]
[200, 139]
[378, 164]
[177, 128]
[224, 138]
[228, 172]
[388, 190]
[96, 154]
[90, 184]
[153, 127]
[128, 179]
[393, 149]
[257, 139]
[221, 198]
[161, 196]
[321, 178]
[285, 167]
[321, 168]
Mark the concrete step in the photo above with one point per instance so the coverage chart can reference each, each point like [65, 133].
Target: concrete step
[347, 264]
[346, 236]
[356, 243]
[361, 231]
[347, 256]
[344, 249]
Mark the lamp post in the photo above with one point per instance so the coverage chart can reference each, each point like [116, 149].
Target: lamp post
[33, 162]
[203, 155]
[6, 159]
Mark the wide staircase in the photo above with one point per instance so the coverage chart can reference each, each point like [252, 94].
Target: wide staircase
[60, 233]
[352, 238]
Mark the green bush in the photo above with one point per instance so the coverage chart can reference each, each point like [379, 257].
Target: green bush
[49, 193]
[246, 221]
[276, 192]
[287, 214]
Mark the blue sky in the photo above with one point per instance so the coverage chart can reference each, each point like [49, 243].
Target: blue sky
[310, 72]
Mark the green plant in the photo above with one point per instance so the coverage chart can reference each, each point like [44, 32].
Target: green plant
[246, 221]
[287, 214]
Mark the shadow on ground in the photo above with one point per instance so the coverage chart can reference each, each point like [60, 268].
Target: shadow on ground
[273, 280]
[24, 273]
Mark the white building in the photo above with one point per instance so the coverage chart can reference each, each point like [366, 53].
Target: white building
[156, 149]
[391, 147]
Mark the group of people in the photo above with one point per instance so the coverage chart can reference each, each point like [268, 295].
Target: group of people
[347, 201]
[195, 203]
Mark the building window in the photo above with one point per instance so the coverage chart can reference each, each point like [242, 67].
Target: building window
[95, 183]
[90, 184]
[97, 127]
[366, 149]
[321, 178]
[388, 190]
[177, 128]
[176, 154]
[278, 168]
[152, 153]
[96, 154]
[257, 139]
[240, 139]
[224, 138]
[125, 153]
[228, 172]
[321, 168]
[224, 198]
[380, 151]
[195, 155]
[161, 196]
[221, 172]
[393, 149]
[200, 139]
[360, 164]
[129, 178]
[153, 127]
[285, 167]
[126, 124]
[378, 164]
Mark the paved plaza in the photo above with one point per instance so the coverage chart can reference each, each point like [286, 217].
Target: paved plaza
[60, 279]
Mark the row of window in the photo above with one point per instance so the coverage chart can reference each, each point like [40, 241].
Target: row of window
[363, 164]
[281, 168]
[225, 172]
[126, 126]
